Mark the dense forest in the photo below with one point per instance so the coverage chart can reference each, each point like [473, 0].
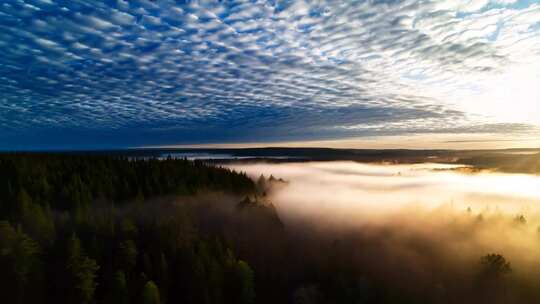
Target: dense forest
[104, 229]
[82, 229]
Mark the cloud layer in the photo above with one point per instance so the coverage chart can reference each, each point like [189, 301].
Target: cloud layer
[117, 73]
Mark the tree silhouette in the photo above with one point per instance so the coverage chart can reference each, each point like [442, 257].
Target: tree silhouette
[82, 272]
[495, 265]
[150, 294]
[19, 257]
[119, 293]
[247, 288]
[492, 288]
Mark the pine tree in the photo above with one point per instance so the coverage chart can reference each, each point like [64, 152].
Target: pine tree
[245, 278]
[150, 294]
[128, 255]
[119, 288]
[19, 257]
[82, 271]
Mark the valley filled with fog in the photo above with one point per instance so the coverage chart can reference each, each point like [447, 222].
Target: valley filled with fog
[425, 219]
[341, 190]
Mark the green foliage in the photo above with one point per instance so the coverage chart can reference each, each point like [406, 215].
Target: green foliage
[75, 212]
[127, 253]
[38, 222]
[119, 289]
[75, 182]
[82, 271]
[19, 259]
[150, 294]
[25, 254]
[247, 286]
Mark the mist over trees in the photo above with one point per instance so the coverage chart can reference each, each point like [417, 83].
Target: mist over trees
[98, 229]
[85, 229]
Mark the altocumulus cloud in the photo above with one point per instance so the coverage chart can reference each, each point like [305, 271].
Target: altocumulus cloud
[125, 73]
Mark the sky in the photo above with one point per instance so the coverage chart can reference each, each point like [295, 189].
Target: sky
[412, 73]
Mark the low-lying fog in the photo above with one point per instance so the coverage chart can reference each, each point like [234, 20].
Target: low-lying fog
[352, 192]
[420, 210]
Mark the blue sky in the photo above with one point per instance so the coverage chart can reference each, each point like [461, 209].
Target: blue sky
[111, 74]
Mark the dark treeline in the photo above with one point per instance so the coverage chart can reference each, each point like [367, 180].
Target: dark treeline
[83, 229]
[502, 160]
[73, 182]
[98, 229]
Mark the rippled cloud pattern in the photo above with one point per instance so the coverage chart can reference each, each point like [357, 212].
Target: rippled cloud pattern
[131, 73]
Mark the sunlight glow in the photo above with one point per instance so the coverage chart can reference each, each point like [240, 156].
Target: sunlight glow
[344, 187]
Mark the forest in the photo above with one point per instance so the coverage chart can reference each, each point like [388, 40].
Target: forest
[111, 229]
[84, 229]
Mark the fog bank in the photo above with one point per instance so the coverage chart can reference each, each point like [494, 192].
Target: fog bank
[418, 213]
[339, 190]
